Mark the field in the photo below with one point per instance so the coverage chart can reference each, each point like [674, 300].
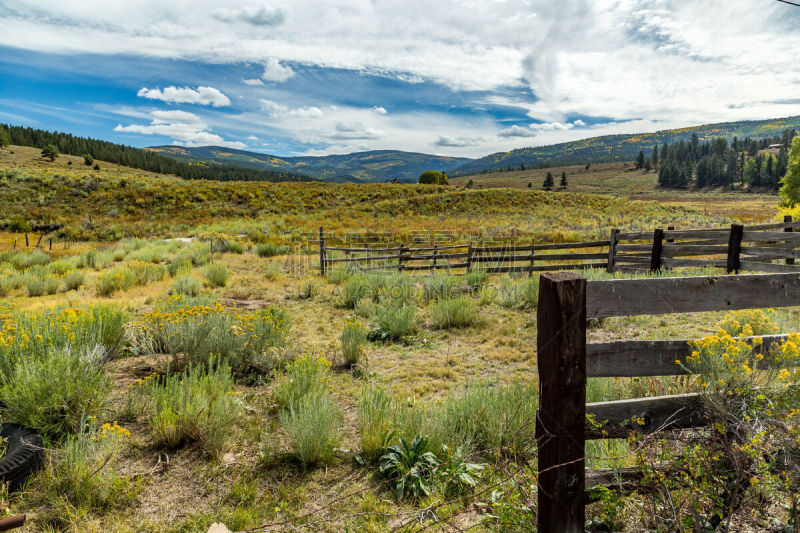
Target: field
[234, 384]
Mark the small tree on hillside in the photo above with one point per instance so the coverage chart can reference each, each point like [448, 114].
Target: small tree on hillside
[431, 177]
[50, 152]
[563, 180]
[5, 138]
[640, 160]
[648, 165]
[548, 182]
[88, 160]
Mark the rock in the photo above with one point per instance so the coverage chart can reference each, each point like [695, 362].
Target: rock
[218, 527]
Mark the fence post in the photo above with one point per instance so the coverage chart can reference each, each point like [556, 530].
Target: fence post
[435, 251]
[400, 258]
[40, 240]
[658, 246]
[612, 251]
[15, 246]
[321, 252]
[26, 241]
[561, 417]
[50, 246]
[530, 267]
[735, 248]
[469, 256]
[670, 228]
[788, 218]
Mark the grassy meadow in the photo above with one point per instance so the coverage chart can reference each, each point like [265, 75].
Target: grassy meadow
[237, 385]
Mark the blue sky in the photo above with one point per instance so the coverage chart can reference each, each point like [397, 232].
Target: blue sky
[464, 78]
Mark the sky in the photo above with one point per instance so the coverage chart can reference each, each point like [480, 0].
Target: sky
[452, 77]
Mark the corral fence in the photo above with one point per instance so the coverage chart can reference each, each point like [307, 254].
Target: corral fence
[752, 248]
[565, 360]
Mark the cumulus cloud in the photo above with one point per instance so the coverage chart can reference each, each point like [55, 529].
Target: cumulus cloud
[255, 15]
[185, 129]
[457, 142]
[274, 72]
[531, 130]
[253, 81]
[354, 131]
[379, 110]
[186, 95]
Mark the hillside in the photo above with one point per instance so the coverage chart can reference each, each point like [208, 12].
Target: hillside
[624, 147]
[373, 166]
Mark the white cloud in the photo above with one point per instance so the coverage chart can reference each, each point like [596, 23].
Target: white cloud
[275, 72]
[255, 15]
[186, 95]
[253, 81]
[185, 129]
[380, 110]
[275, 109]
[458, 142]
[252, 138]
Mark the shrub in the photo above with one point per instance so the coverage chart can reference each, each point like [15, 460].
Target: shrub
[63, 265]
[312, 424]
[216, 274]
[476, 278]
[519, 294]
[186, 285]
[195, 406]
[122, 278]
[356, 288]
[35, 285]
[395, 289]
[308, 288]
[247, 341]
[439, 286]
[272, 271]
[353, 337]
[73, 280]
[54, 393]
[234, 247]
[25, 260]
[454, 312]
[81, 474]
[337, 276]
[307, 375]
[268, 249]
[393, 323]
[181, 265]
[374, 421]
[33, 334]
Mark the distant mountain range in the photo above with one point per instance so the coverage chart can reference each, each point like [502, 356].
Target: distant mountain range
[378, 165]
[387, 165]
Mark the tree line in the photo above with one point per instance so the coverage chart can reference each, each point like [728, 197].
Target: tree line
[720, 163]
[138, 158]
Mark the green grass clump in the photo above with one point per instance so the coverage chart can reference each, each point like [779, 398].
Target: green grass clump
[272, 271]
[312, 423]
[520, 293]
[440, 286]
[375, 413]
[353, 338]
[216, 274]
[181, 265]
[268, 249]
[186, 286]
[132, 274]
[476, 278]
[195, 406]
[307, 375]
[394, 289]
[25, 260]
[73, 280]
[393, 323]
[35, 285]
[234, 247]
[454, 312]
[81, 475]
[55, 392]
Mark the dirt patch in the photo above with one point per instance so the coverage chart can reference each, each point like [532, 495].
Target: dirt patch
[247, 305]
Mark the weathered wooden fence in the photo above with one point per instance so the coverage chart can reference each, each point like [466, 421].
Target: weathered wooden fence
[565, 361]
[752, 248]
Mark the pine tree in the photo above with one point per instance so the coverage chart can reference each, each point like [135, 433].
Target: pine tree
[50, 152]
[548, 182]
[654, 157]
[640, 160]
[790, 184]
[5, 138]
[563, 180]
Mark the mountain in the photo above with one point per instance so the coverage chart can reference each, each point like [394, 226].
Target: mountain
[613, 148]
[374, 166]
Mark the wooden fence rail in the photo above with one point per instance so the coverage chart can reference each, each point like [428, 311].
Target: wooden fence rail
[564, 420]
[752, 248]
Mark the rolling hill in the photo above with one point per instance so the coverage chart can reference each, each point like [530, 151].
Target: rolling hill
[614, 148]
[374, 166]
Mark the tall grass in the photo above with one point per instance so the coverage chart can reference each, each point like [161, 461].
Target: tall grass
[307, 375]
[454, 312]
[195, 406]
[268, 249]
[519, 293]
[375, 412]
[312, 424]
[216, 274]
[393, 323]
[353, 338]
[440, 286]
